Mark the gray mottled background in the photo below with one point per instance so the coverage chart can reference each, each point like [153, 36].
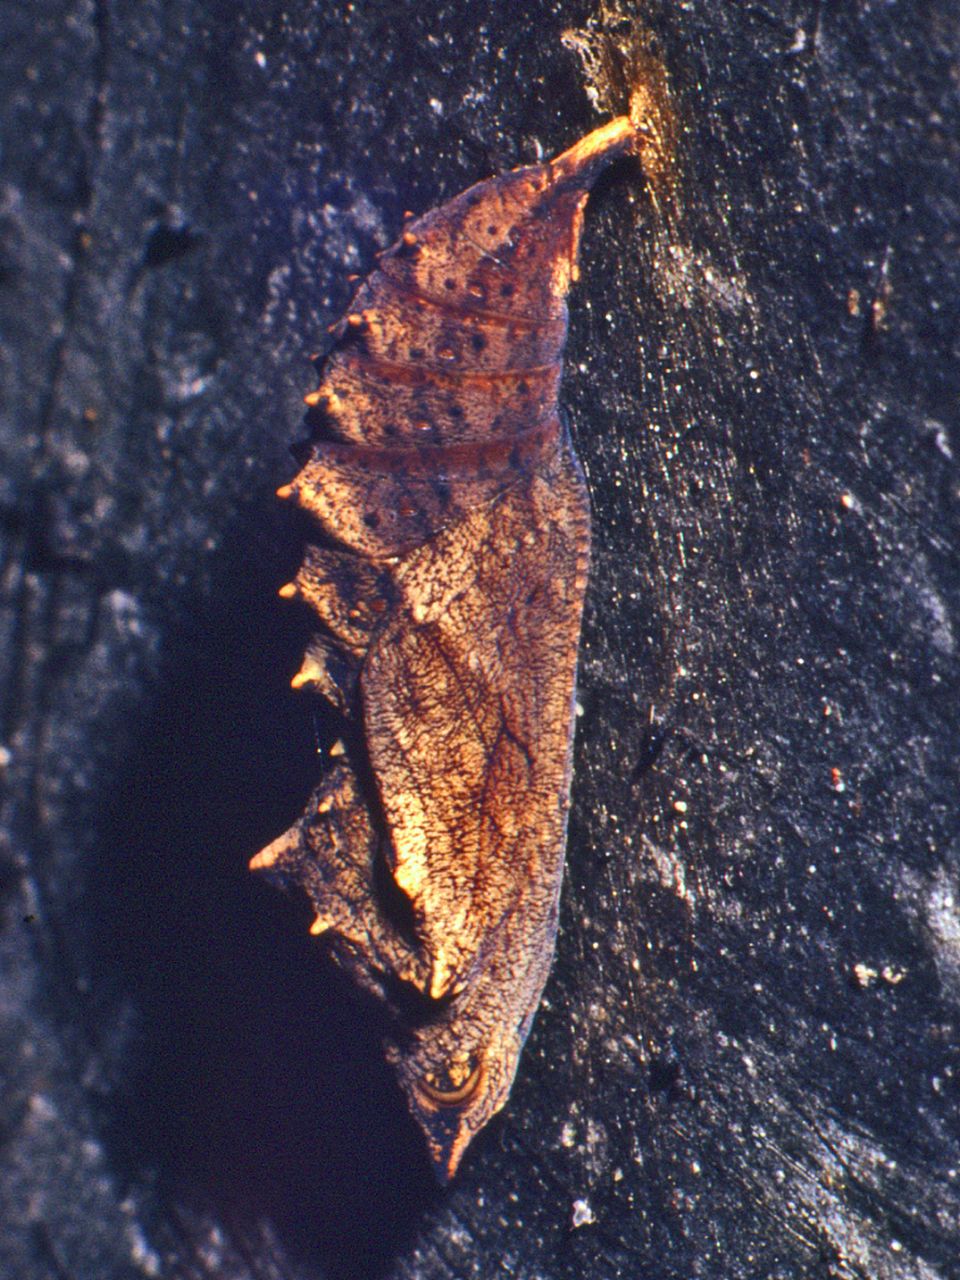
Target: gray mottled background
[746, 1063]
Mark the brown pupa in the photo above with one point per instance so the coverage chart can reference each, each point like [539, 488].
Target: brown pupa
[449, 576]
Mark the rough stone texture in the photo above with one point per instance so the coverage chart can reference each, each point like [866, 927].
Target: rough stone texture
[747, 1063]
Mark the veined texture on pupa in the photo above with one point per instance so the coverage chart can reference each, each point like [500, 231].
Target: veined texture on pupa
[449, 586]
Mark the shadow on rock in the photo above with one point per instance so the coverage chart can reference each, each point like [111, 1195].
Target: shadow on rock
[255, 1082]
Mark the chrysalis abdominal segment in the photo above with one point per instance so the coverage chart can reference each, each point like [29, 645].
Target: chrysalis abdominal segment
[448, 581]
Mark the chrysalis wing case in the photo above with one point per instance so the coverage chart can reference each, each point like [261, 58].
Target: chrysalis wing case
[448, 577]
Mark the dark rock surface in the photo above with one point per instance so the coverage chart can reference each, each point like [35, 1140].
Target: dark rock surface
[747, 1062]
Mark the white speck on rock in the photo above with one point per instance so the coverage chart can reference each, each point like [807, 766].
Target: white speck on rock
[582, 1214]
[943, 921]
[143, 1256]
[126, 612]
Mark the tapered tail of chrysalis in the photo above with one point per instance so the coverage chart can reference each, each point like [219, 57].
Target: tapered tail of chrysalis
[458, 334]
